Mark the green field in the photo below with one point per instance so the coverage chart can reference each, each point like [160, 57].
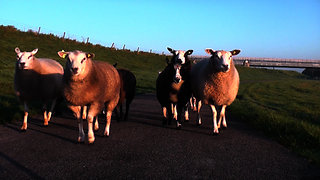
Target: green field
[284, 105]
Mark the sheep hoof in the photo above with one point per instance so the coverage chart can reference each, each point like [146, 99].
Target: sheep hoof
[215, 134]
[106, 134]
[216, 131]
[91, 140]
[80, 139]
[179, 126]
[23, 127]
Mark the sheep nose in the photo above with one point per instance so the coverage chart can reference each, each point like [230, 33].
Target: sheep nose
[75, 70]
[225, 67]
[22, 64]
[176, 80]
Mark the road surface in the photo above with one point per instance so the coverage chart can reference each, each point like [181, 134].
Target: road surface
[142, 149]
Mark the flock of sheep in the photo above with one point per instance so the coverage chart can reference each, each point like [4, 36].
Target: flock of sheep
[90, 87]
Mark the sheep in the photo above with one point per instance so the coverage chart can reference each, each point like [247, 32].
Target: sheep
[173, 86]
[94, 84]
[37, 79]
[127, 90]
[215, 82]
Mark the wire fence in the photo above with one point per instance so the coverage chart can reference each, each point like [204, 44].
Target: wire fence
[85, 39]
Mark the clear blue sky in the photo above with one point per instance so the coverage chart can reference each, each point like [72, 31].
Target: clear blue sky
[274, 28]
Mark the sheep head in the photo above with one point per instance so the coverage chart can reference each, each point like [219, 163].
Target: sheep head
[25, 59]
[76, 61]
[180, 56]
[221, 59]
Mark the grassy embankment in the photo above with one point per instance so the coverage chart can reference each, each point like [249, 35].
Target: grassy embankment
[285, 105]
[144, 65]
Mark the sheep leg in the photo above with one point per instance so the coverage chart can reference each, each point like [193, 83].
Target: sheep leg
[25, 117]
[178, 111]
[174, 111]
[165, 117]
[170, 115]
[127, 110]
[91, 137]
[51, 109]
[121, 112]
[191, 103]
[186, 113]
[107, 129]
[198, 113]
[77, 113]
[45, 116]
[116, 112]
[214, 117]
[96, 124]
[222, 117]
[84, 112]
[194, 104]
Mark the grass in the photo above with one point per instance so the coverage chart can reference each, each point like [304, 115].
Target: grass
[283, 104]
[144, 65]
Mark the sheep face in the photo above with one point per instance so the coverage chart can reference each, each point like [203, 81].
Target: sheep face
[177, 77]
[76, 61]
[180, 56]
[25, 59]
[222, 59]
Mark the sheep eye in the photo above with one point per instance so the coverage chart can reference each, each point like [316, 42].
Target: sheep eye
[83, 60]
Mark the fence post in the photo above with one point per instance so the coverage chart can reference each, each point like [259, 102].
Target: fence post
[112, 46]
[124, 46]
[138, 50]
[38, 31]
[87, 40]
[64, 34]
[150, 50]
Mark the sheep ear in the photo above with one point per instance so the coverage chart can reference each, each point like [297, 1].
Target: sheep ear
[34, 51]
[171, 50]
[115, 64]
[189, 52]
[235, 52]
[63, 54]
[17, 50]
[90, 55]
[210, 51]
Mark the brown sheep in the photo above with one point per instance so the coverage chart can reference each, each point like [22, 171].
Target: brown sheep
[37, 79]
[90, 83]
[216, 82]
[173, 86]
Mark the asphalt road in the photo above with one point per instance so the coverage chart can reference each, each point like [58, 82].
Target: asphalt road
[142, 149]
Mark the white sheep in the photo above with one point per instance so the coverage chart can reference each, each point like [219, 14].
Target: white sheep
[37, 79]
[90, 83]
[215, 81]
